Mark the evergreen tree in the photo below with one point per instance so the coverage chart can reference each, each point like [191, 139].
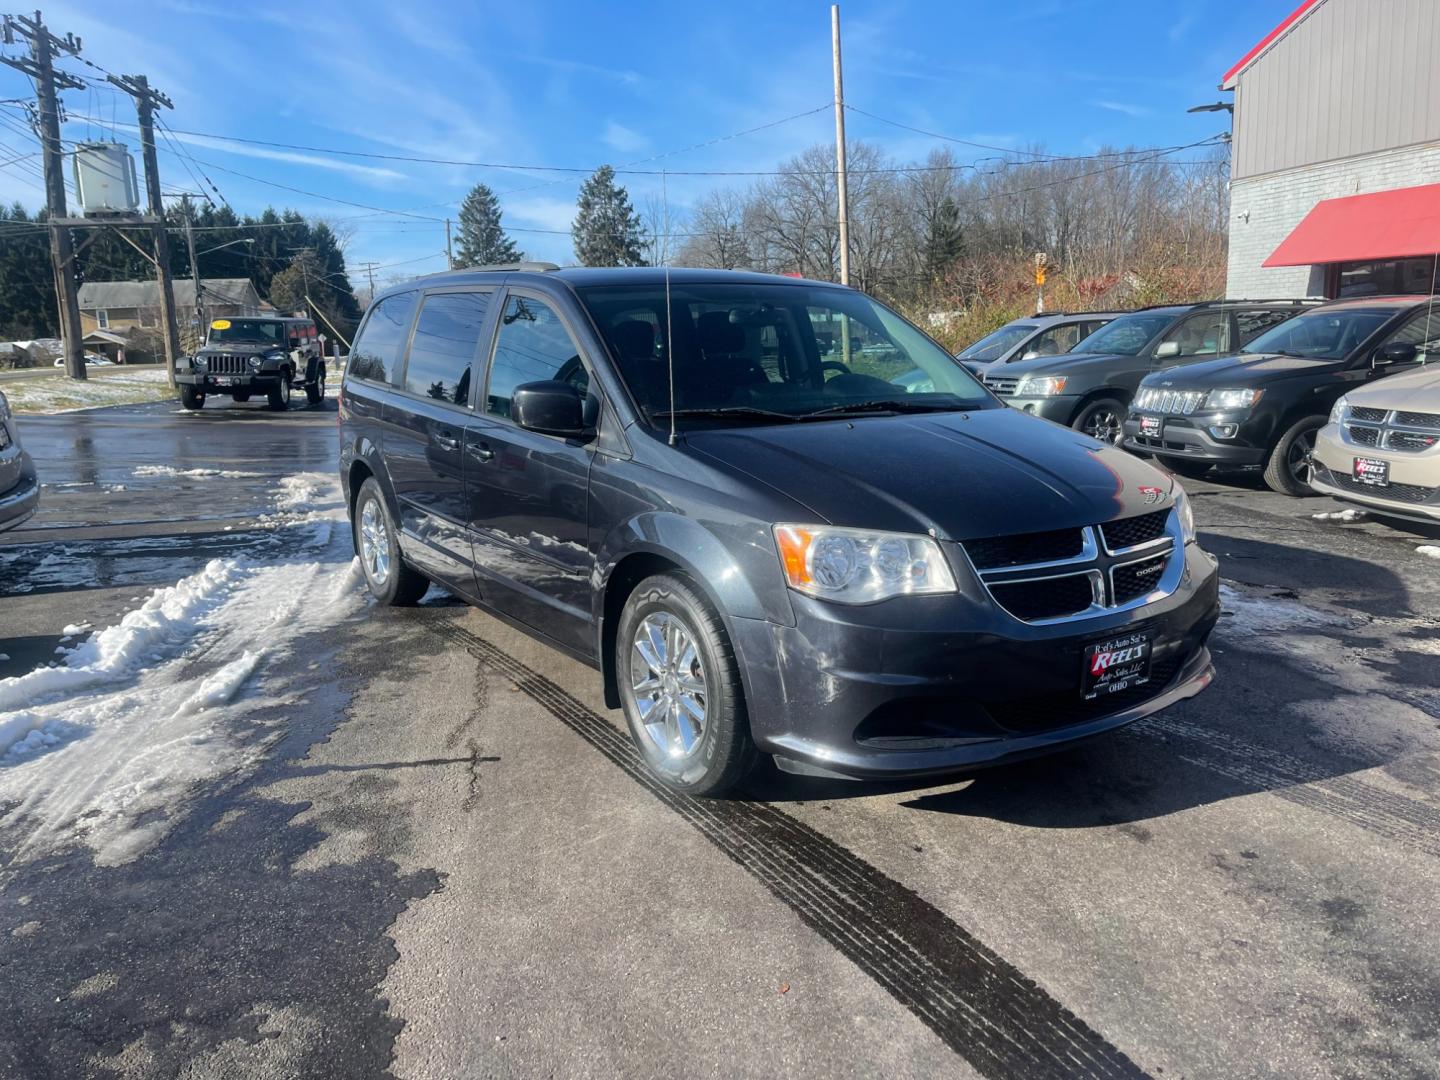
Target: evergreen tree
[482, 240]
[27, 285]
[945, 244]
[607, 231]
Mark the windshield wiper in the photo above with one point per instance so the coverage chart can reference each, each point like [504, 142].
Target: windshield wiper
[884, 405]
[727, 412]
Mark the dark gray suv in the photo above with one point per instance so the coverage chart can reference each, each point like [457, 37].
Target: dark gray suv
[777, 518]
[19, 489]
[1090, 389]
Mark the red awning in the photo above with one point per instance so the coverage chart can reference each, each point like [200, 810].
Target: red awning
[1385, 225]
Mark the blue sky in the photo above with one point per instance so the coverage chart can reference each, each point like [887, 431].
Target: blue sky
[573, 83]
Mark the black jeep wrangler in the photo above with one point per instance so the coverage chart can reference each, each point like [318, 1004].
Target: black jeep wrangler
[268, 355]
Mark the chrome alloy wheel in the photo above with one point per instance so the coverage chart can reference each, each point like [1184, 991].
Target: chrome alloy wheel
[667, 685]
[375, 543]
[1105, 424]
[1300, 458]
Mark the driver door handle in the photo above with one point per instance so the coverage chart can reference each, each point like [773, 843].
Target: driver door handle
[446, 441]
[480, 451]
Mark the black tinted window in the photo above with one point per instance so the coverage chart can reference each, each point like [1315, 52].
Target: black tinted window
[443, 348]
[533, 345]
[1254, 323]
[376, 352]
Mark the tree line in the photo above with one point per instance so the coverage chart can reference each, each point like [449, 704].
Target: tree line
[282, 253]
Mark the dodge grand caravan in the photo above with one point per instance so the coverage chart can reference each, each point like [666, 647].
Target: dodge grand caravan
[858, 561]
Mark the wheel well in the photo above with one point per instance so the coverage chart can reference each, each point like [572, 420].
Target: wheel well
[359, 473]
[628, 573]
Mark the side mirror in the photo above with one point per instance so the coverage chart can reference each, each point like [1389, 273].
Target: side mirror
[1167, 348]
[1397, 352]
[549, 407]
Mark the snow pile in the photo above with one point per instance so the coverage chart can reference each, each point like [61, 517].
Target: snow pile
[1428, 549]
[170, 470]
[1342, 515]
[138, 713]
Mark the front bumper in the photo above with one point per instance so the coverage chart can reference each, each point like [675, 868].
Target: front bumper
[18, 504]
[1333, 475]
[221, 384]
[949, 686]
[1059, 408]
[1189, 437]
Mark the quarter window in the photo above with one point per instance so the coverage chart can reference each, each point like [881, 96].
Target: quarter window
[442, 352]
[376, 353]
[533, 345]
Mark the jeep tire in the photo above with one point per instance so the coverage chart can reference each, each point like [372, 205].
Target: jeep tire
[192, 396]
[279, 394]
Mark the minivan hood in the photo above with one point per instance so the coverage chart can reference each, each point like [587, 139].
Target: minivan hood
[1243, 371]
[991, 472]
[1414, 391]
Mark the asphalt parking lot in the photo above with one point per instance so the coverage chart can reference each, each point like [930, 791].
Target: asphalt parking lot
[414, 843]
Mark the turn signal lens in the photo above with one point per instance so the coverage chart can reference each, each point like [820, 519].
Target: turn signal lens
[852, 566]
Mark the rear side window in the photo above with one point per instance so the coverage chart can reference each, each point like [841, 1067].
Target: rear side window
[442, 352]
[533, 345]
[376, 354]
[1254, 323]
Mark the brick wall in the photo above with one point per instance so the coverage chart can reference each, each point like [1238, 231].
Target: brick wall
[1264, 209]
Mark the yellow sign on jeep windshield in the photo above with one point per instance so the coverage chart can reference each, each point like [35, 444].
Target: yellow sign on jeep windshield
[220, 324]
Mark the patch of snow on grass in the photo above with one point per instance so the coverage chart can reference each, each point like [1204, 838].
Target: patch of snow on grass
[57, 393]
[1428, 549]
[104, 745]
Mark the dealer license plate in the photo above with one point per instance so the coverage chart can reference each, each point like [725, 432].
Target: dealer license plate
[1116, 665]
[1372, 472]
[221, 380]
[1150, 426]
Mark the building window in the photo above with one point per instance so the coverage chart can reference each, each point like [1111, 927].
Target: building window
[1384, 277]
[102, 319]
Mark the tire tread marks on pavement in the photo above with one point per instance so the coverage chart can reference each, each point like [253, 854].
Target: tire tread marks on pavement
[1001, 1022]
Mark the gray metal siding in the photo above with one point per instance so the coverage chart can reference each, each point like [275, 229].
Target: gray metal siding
[1352, 77]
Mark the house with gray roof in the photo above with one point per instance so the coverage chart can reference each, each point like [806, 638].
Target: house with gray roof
[121, 306]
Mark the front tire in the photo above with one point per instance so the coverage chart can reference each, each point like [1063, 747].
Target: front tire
[1103, 419]
[1287, 470]
[279, 394]
[391, 580]
[192, 396]
[680, 687]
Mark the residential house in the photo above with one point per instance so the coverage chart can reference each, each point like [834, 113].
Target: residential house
[121, 306]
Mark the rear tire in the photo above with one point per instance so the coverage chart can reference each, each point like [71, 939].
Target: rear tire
[391, 580]
[1287, 470]
[191, 396]
[1191, 470]
[315, 389]
[279, 394]
[1103, 419]
[680, 688]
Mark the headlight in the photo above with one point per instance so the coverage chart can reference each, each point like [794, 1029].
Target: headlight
[255, 363]
[1186, 515]
[1337, 412]
[1041, 386]
[1232, 399]
[851, 566]
[198, 363]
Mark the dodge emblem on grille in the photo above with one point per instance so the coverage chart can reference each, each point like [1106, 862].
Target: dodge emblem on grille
[1151, 495]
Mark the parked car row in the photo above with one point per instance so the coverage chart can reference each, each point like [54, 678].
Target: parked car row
[1240, 383]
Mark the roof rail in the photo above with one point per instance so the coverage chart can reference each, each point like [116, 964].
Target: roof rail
[515, 266]
[1273, 300]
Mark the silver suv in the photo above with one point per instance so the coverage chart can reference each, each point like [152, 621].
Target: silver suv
[19, 490]
[1037, 335]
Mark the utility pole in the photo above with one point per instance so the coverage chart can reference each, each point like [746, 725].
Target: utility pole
[841, 185]
[449, 254]
[138, 87]
[194, 266]
[370, 268]
[39, 66]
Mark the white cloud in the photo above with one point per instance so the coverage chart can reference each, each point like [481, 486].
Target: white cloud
[627, 141]
[539, 212]
[1125, 107]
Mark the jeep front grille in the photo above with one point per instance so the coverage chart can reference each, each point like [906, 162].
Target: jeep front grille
[1175, 402]
[227, 364]
[1076, 573]
[1400, 431]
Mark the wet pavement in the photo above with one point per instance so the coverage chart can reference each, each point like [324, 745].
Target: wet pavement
[447, 862]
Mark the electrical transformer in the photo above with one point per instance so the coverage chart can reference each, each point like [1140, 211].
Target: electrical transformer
[105, 179]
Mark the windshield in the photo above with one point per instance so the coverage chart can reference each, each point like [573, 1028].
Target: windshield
[774, 354]
[1324, 335]
[993, 346]
[1128, 334]
[263, 330]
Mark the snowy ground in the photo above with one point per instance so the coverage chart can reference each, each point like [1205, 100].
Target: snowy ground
[101, 745]
[59, 394]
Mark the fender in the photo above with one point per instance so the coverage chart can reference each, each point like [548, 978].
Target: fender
[367, 450]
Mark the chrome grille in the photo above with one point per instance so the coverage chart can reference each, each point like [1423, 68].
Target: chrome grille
[1392, 492]
[1174, 402]
[1004, 385]
[1044, 578]
[1403, 432]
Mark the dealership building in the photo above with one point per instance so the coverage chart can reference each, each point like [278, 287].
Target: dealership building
[1335, 168]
